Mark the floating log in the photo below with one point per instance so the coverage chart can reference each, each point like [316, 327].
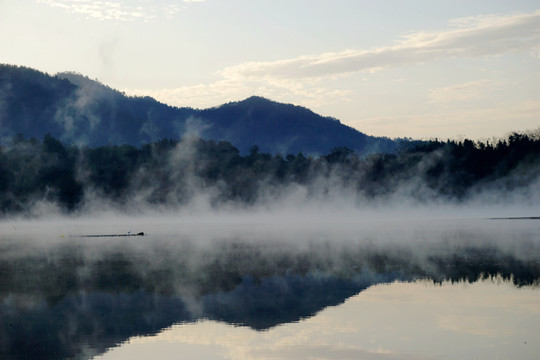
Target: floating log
[112, 235]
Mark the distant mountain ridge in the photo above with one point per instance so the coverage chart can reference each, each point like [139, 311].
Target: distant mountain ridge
[82, 111]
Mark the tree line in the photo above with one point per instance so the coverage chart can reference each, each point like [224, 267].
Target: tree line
[171, 172]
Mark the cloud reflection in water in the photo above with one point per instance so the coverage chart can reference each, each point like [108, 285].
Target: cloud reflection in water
[420, 320]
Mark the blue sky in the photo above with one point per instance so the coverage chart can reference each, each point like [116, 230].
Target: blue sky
[389, 68]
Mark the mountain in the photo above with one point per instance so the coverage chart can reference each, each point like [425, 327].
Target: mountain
[82, 111]
[285, 128]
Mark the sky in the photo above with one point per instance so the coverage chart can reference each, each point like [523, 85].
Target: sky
[418, 68]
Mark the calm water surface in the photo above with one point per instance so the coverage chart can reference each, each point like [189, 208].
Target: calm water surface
[222, 289]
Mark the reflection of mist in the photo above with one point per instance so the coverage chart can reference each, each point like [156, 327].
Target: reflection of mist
[253, 270]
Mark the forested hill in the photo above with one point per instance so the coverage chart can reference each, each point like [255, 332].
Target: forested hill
[81, 111]
[171, 173]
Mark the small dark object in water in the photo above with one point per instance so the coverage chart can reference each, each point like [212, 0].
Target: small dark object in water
[113, 235]
[517, 218]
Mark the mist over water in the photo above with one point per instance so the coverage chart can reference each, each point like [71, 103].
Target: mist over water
[256, 267]
[249, 249]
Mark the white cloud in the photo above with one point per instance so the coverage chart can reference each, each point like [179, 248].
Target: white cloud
[468, 37]
[310, 80]
[460, 92]
[116, 10]
[102, 10]
[225, 90]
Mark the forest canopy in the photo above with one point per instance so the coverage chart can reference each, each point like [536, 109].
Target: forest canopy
[171, 173]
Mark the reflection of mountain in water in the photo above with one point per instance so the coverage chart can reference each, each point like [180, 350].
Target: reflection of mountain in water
[82, 325]
[75, 301]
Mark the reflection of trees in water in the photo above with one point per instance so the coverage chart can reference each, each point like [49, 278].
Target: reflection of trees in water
[188, 269]
[473, 263]
[82, 325]
[57, 302]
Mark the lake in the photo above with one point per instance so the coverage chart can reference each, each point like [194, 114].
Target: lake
[254, 287]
